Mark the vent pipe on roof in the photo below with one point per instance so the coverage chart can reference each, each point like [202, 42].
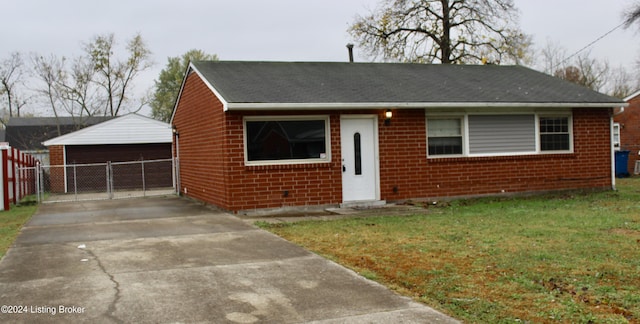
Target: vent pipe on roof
[350, 48]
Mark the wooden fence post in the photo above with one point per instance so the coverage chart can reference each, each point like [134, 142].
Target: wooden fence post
[15, 159]
[5, 179]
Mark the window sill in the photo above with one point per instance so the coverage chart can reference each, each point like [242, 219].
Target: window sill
[312, 165]
[540, 156]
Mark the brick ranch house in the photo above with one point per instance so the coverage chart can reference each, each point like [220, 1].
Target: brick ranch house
[254, 135]
[627, 129]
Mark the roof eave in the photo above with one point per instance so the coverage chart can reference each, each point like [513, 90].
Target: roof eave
[415, 105]
[631, 96]
[113, 143]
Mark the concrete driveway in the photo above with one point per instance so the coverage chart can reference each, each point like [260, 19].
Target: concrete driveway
[171, 260]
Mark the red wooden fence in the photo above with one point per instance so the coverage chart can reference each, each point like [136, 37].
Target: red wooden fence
[17, 176]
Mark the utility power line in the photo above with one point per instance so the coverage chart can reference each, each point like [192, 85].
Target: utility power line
[589, 45]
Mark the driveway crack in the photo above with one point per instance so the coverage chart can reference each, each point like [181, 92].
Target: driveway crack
[112, 307]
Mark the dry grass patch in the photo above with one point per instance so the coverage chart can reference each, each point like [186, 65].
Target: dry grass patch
[11, 222]
[568, 259]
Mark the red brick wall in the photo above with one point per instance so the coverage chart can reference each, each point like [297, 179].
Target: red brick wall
[56, 158]
[212, 161]
[403, 163]
[201, 123]
[264, 186]
[56, 155]
[630, 130]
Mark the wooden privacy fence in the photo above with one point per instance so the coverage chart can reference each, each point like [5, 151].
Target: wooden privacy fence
[17, 176]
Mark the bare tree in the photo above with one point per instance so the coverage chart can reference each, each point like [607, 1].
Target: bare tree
[94, 84]
[632, 14]
[585, 71]
[621, 83]
[595, 73]
[581, 68]
[12, 74]
[553, 57]
[445, 31]
[79, 89]
[67, 87]
[51, 72]
[115, 76]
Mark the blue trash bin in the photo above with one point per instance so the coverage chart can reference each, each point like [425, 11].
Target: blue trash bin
[622, 162]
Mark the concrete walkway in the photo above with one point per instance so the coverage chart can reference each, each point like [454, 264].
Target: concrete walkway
[170, 260]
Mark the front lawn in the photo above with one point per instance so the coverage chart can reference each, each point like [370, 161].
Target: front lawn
[570, 258]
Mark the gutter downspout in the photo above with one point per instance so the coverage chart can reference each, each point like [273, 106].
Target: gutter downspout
[613, 157]
[175, 155]
[64, 165]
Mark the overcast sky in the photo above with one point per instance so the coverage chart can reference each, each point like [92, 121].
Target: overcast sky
[283, 30]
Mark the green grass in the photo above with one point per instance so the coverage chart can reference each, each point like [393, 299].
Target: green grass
[570, 258]
[11, 222]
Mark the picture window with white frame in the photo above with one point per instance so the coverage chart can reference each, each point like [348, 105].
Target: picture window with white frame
[286, 139]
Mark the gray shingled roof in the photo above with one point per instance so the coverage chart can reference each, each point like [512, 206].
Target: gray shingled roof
[28, 133]
[360, 83]
[49, 121]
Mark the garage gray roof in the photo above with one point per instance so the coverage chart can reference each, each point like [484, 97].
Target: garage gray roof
[246, 85]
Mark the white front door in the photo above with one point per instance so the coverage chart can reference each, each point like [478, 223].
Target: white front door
[359, 158]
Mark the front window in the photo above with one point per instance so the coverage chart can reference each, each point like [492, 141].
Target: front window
[502, 133]
[282, 140]
[445, 136]
[554, 134]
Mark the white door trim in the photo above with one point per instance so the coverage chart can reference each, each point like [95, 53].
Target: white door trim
[376, 154]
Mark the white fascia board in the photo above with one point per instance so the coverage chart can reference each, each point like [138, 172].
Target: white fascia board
[225, 104]
[411, 105]
[631, 96]
[175, 104]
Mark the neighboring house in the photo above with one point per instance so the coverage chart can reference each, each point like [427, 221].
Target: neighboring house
[627, 129]
[255, 135]
[28, 133]
[122, 139]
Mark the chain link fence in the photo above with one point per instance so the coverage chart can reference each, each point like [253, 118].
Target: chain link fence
[27, 180]
[111, 180]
